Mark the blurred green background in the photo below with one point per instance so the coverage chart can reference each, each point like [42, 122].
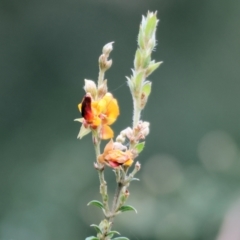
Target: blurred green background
[189, 188]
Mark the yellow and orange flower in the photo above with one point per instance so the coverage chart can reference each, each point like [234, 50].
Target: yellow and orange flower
[100, 113]
[115, 157]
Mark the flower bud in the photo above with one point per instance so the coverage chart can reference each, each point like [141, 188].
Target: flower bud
[145, 129]
[120, 138]
[138, 59]
[108, 48]
[90, 87]
[137, 166]
[118, 145]
[128, 132]
[151, 24]
[104, 64]
[152, 67]
[146, 90]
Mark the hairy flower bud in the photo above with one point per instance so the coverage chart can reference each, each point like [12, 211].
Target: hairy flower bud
[104, 64]
[120, 138]
[108, 48]
[90, 87]
[137, 166]
[128, 132]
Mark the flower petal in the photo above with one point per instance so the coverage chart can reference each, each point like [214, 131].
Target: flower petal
[86, 109]
[80, 107]
[106, 132]
[112, 111]
[113, 164]
[128, 163]
[109, 146]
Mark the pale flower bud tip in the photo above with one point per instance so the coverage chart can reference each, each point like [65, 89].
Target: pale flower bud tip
[95, 165]
[90, 87]
[138, 166]
[108, 48]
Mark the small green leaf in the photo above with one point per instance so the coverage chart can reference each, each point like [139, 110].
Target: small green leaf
[91, 238]
[96, 203]
[97, 228]
[139, 147]
[127, 208]
[111, 233]
[83, 131]
[120, 238]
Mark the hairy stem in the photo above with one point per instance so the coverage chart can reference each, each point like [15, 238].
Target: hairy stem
[100, 169]
[100, 77]
[136, 111]
[116, 201]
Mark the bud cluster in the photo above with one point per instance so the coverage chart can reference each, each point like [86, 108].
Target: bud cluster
[99, 90]
[134, 135]
[143, 65]
[104, 63]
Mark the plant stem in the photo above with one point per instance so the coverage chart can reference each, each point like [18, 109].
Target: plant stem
[100, 77]
[136, 112]
[100, 169]
[116, 201]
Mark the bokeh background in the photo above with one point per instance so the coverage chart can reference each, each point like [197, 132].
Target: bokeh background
[189, 188]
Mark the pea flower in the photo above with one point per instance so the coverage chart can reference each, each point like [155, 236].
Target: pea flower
[98, 115]
[115, 157]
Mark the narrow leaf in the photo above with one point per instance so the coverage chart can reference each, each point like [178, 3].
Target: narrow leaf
[97, 228]
[127, 208]
[135, 179]
[120, 238]
[139, 147]
[91, 238]
[96, 203]
[112, 233]
[83, 131]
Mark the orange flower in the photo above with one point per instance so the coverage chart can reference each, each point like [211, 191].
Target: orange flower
[115, 157]
[100, 113]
